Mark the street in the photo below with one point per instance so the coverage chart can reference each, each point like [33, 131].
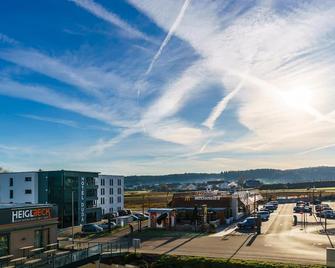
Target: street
[279, 241]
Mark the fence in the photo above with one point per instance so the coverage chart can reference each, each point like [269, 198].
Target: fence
[91, 252]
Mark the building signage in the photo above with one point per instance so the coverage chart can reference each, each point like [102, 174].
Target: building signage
[207, 197]
[31, 214]
[81, 201]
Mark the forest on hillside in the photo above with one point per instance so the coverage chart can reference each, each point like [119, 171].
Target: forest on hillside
[265, 175]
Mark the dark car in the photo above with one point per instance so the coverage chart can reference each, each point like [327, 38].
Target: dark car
[91, 228]
[265, 209]
[270, 207]
[300, 203]
[273, 203]
[248, 223]
[329, 214]
[307, 209]
[299, 209]
[264, 215]
[105, 226]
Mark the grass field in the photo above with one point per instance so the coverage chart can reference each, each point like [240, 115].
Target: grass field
[138, 200]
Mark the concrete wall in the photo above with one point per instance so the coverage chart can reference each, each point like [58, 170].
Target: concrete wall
[19, 187]
[26, 237]
[111, 184]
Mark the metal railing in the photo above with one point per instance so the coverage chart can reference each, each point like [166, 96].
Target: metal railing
[107, 249]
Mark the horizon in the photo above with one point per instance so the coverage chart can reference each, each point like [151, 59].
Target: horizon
[129, 87]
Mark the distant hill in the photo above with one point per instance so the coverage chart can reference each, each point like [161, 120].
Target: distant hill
[265, 175]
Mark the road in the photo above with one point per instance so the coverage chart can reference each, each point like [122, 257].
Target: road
[279, 241]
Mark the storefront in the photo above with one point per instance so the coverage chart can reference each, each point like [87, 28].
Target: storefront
[219, 206]
[162, 218]
[26, 225]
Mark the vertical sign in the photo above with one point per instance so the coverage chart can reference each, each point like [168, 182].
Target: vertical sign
[81, 201]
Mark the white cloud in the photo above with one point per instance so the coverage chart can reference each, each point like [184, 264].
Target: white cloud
[110, 17]
[50, 97]
[60, 121]
[91, 79]
[6, 39]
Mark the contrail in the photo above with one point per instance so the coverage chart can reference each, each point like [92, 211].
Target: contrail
[169, 35]
[221, 106]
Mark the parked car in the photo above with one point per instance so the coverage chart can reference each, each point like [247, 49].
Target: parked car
[270, 207]
[124, 212]
[316, 202]
[329, 214]
[135, 218]
[274, 203]
[298, 209]
[141, 216]
[307, 209]
[104, 226]
[91, 228]
[264, 215]
[300, 203]
[248, 223]
[265, 209]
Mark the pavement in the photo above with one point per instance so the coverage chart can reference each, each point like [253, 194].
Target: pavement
[279, 241]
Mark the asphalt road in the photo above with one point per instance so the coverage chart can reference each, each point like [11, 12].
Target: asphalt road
[279, 241]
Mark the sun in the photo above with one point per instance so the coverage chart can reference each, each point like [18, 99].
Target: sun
[297, 98]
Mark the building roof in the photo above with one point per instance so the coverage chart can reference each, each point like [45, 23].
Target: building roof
[160, 210]
[22, 205]
[40, 170]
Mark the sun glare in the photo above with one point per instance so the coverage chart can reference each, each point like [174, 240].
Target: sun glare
[297, 98]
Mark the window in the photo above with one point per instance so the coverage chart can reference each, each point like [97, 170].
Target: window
[27, 178]
[119, 182]
[102, 182]
[11, 181]
[102, 191]
[102, 200]
[111, 182]
[4, 244]
[119, 190]
[27, 191]
[119, 199]
[111, 200]
[11, 194]
[110, 191]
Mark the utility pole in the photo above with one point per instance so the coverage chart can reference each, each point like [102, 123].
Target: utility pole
[143, 204]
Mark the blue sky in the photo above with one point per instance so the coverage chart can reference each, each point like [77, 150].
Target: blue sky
[166, 86]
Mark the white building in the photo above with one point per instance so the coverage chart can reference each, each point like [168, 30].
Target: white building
[19, 187]
[110, 193]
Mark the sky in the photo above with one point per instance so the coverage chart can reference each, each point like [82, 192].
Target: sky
[166, 86]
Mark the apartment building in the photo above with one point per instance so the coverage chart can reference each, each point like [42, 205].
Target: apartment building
[19, 187]
[110, 193]
[55, 187]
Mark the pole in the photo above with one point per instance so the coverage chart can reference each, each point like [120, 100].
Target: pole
[254, 204]
[72, 208]
[142, 204]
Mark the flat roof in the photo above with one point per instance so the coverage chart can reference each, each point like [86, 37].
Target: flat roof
[160, 210]
[22, 205]
[58, 170]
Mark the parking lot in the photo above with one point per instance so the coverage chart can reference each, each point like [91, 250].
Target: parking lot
[279, 241]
